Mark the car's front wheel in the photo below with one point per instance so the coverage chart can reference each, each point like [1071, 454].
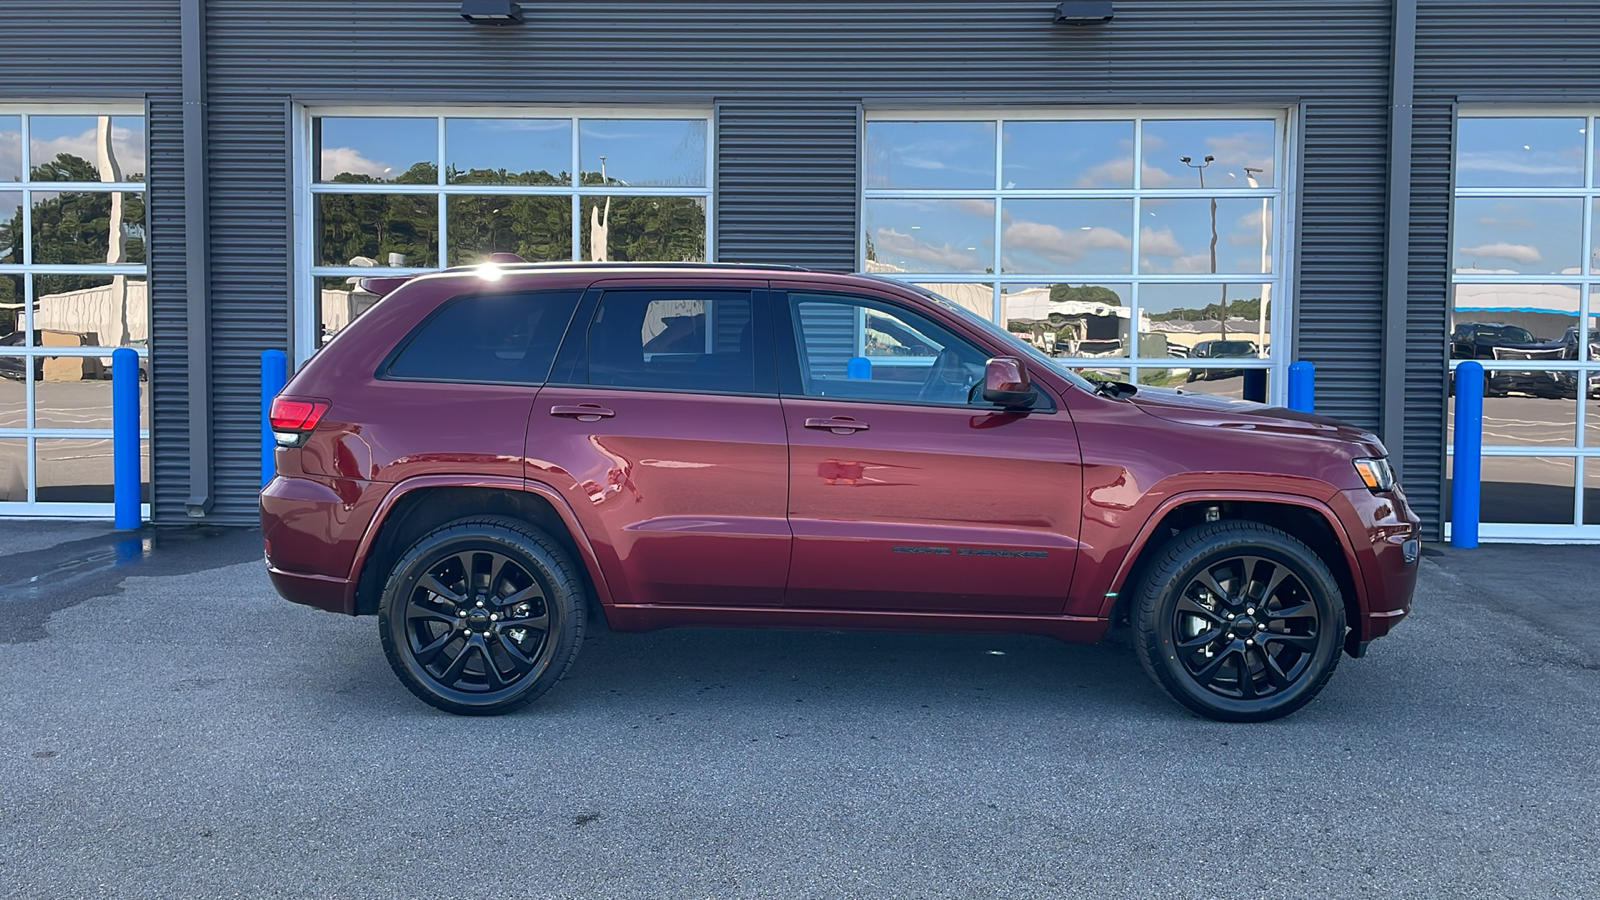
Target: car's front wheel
[1239, 621]
[482, 615]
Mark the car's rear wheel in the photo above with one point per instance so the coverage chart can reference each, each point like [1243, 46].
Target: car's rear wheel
[1239, 622]
[482, 615]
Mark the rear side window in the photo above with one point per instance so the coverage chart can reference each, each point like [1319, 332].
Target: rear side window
[497, 338]
[673, 340]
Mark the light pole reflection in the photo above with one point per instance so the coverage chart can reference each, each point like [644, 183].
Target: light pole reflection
[1222, 316]
[1266, 289]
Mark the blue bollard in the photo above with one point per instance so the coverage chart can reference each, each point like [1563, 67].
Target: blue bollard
[1303, 386]
[125, 481]
[274, 375]
[1466, 482]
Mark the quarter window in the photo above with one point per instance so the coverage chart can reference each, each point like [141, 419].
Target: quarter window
[505, 338]
[673, 341]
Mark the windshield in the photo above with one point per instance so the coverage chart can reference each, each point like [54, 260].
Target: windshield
[1023, 349]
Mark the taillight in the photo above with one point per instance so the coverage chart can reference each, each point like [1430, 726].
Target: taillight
[292, 419]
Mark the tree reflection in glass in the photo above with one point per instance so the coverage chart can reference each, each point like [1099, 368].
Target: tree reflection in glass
[538, 229]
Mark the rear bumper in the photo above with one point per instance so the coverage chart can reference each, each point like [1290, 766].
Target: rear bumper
[332, 594]
[313, 529]
[1384, 532]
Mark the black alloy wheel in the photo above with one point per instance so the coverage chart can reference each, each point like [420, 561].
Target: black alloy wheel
[482, 616]
[1240, 622]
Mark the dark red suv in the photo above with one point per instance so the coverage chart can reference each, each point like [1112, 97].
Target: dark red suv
[489, 451]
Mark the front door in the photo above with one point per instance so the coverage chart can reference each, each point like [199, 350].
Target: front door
[903, 493]
[663, 426]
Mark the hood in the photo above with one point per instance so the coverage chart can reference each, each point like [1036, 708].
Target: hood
[1212, 411]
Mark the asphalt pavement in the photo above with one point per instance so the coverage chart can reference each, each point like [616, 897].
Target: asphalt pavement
[169, 727]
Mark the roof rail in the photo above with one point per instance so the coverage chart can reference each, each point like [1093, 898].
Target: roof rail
[569, 264]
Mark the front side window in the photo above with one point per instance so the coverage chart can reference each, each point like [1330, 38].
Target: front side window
[1114, 245]
[409, 193]
[859, 349]
[508, 338]
[673, 341]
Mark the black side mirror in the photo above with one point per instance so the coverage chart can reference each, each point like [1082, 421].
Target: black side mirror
[1006, 383]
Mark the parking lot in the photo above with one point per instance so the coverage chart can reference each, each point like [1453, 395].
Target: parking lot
[169, 727]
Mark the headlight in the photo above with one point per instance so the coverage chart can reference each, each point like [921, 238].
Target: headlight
[1376, 473]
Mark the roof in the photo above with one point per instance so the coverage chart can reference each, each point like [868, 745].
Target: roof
[626, 266]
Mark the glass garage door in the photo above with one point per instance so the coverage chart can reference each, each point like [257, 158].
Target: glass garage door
[399, 191]
[1136, 247]
[1526, 265]
[73, 287]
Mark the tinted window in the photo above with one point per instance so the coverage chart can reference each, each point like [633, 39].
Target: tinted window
[673, 340]
[868, 350]
[509, 337]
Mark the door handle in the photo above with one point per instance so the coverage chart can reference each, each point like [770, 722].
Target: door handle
[838, 425]
[583, 412]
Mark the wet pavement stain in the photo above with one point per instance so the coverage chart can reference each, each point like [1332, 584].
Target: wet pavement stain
[39, 583]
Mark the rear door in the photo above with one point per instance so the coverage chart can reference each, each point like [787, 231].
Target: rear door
[904, 494]
[663, 424]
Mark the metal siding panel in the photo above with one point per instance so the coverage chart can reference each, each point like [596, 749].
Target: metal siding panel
[250, 300]
[89, 51]
[786, 187]
[786, 78]
[1489, 49]
[1427, 305]
[169, 360]
[1340, 284]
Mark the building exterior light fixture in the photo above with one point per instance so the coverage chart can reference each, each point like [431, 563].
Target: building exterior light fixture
[1081, 13]
[491, 12]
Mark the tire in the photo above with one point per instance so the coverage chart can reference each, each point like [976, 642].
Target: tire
[491, 644]
[1252, 667]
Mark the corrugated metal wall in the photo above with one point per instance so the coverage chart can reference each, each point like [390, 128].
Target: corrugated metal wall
[1474, 51]
[91, 52]
[1427, 298]
[787, 183]
[169, 315]
[786, 78]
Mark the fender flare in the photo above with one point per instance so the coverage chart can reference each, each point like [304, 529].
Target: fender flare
[1137, 548]
[420, 482]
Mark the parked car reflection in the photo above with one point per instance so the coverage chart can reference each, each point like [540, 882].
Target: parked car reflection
[1478, 340]
[1223, 349]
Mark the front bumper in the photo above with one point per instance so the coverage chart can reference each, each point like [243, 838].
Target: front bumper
[1384, 532]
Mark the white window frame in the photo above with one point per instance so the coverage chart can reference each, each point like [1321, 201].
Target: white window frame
[1587, 284]
[304, 319]
[29, 433]
[1284, 195]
